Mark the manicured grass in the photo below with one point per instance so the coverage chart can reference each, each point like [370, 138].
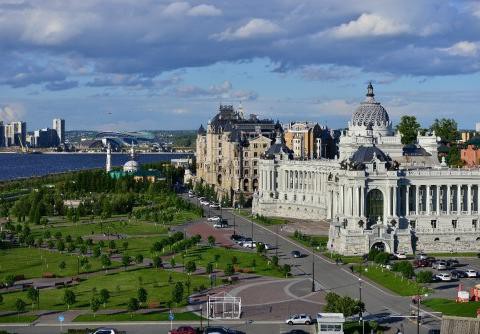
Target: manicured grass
[345, 259]
[86, 229]
[125, 316]
[318, 242]
[450, 307]
[184, 216]
[391, 280]
[203, 255]
[13, 318]
[450, 255]
[33, 262]
[264, 221]
[122, 287]
[140, 245]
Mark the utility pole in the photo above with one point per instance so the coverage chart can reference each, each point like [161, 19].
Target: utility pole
[313, 271]
[233, 213]
[276, 241]
[360, 296]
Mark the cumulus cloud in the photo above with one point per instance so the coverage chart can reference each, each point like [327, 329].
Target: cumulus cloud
[463, 48]
[11, 112]
[252, 29]
[204, 10]
[369, 25]
[223, 90]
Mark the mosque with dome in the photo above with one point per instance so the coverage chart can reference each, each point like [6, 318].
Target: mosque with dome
[377, 192]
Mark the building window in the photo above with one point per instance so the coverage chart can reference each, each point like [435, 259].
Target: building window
[436, 239]
[246, 172]
[433, 223]
[220, 152]
[254, 172]
[412, 223]
[285, 196]
[219, 144]
[294, 197]
[454, 223]
[264, 145]
[255, 145]
[474, 223]
[255, 162]
[246, 154]
[255, 154]
[457, 239]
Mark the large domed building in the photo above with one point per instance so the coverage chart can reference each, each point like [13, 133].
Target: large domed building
[378, 193]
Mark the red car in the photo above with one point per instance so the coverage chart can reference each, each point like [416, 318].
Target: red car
[421, 263]
[183, 330]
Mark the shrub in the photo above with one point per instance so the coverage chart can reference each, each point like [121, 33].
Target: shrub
[424, 276]
[382, 258]
[404, 267]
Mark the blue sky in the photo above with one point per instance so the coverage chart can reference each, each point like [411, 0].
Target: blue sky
[157, 64]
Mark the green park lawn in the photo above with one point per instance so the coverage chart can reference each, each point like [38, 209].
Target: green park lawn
[391, 280]
[450, 307]
[126, 316]
[86, 229]
[33, 262]
[140, 245]
[14, 318]
[122, 287]
[203, 255]
[265, 221]
[345, 259]
[450, 255]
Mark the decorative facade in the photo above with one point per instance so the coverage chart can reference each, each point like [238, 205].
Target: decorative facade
[310, 140]
[229, 150]
[378, 193]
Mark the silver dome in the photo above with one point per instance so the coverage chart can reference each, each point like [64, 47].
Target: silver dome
[370, 112]
[131, 166]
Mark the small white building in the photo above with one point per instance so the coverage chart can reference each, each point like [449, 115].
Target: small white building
[330, 323]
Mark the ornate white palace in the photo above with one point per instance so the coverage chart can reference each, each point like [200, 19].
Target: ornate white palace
[378, 193]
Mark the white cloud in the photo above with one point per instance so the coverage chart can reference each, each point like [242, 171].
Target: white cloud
[369, 25]
[180, 111]
[253, 29]
[463, 48]
[176, 8]
[11, 112]
[204, 10]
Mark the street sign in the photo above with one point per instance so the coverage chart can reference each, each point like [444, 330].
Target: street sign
[61, 318]
[171, 316]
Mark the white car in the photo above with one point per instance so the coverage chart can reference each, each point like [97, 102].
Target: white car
[268, 246]
[471, 273]
[400, 256]
[215, 206]
[220, 224]
[105, 331]
[299, 319]
[205, 203]
[444, 277]
[214, 219]
[249, 244]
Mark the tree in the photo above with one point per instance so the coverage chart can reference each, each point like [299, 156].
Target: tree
[445, 128]
[157, 261]
[20, 306]
[106, 262]
[404, 267]
[382, 258]
[275, 260]
[9, 280]
[424, 276]
[177, 292]
[261, 248]
[211, 240]
[286, 270]
[125, 261]
[190, 266]
[62, 265]
[345, 305]
[454, 158]
[1, 299]
[142, 295]
[229, 270]
[125, 245]
[95, 305]
[234, 260]
[104, 296]
[60, 246]
[209, 268]
[172, 262]
[408, 127]
[97, 251]
[83, 249]
[139, 258]
[69, 298]
[33, 295]
[132, 305]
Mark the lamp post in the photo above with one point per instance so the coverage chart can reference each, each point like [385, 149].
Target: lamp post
[419, 299]
[313, 271]
[252, 236]
[276, 241]
[360, 297]
[201, 317]
[233, 213]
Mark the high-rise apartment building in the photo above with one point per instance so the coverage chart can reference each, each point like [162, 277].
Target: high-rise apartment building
[46, 138]
[2, 134]
[59, 126]
[16, 134]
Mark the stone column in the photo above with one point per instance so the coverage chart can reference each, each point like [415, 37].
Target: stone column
[388, 199]
[395, 201]
[469, 200]
[437, 199]
[362, 201]
[428, 199]
[407, 200]
[355, 201]
[417, 202]
[449, 195]
[459, 197]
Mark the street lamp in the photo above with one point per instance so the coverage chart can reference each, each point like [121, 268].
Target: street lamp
[313, 271]
[201, 317]
[360, 297]
[252, 236]
[276, 241]
[419, 298]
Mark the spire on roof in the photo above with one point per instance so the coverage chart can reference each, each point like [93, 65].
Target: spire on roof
[370, 90]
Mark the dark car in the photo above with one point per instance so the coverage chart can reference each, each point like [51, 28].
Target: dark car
[421, 263]
[452, 263]
[236, 238]
[221, 330]
[297, 331]
[458, 274]
[183, 330]
[296, 254]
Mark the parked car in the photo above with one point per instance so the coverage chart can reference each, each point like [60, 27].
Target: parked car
[296, 254]
[299, 319]
[444, 277]
[183, 330]
[221, 224]
[421, 263]
[422, 256]
[206, 203]
[214, 206]
[471, 273]
[268, 246]
[452, 263]
[221, 330]
[400, 256]
[191, 195]
[249, 244]
[214, 219]
[105, 331]
[440, 265]
[237, 238]
[456, 274]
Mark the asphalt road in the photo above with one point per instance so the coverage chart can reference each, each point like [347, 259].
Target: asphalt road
[331, 277]
[158, 328]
